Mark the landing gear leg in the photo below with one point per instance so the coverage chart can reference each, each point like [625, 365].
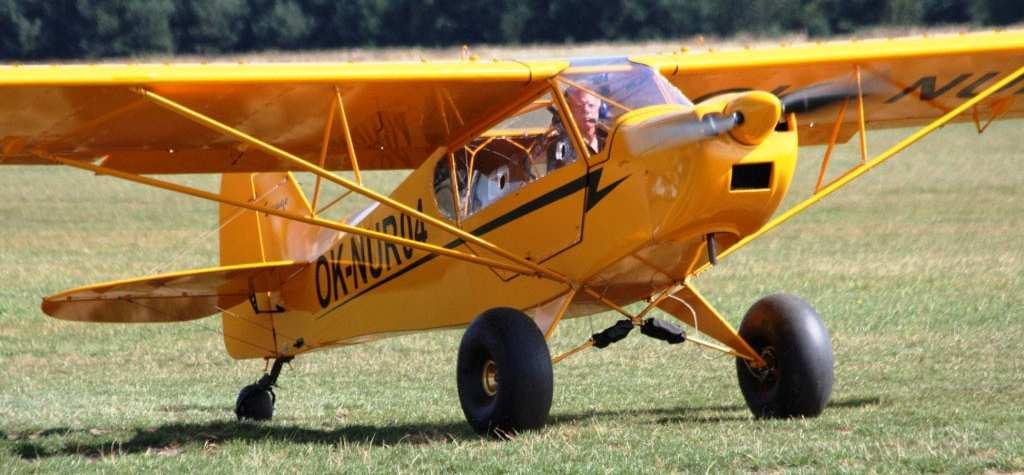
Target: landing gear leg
[256, 401]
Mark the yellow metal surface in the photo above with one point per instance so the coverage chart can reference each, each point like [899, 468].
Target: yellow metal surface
[250, 236]
[842, 53]
[640, 200]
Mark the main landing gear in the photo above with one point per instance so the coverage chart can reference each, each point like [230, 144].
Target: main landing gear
[505, 377]
[256, 401]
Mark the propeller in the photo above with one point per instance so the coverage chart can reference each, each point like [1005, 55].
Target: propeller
[718, 123]
[817, 96]
[690, 129]
[750, 117]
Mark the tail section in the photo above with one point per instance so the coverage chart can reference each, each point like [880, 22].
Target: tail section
[247, 236]
[250, 328]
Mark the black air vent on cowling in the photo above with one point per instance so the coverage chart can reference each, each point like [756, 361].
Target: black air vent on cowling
[751, 176]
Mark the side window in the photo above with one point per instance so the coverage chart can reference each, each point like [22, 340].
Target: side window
[523, 148]
[444, 193]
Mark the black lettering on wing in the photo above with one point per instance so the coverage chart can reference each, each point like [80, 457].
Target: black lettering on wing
[927, 88]
[971, 89]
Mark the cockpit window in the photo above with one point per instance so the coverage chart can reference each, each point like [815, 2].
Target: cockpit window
[523, 148]
[599, 91]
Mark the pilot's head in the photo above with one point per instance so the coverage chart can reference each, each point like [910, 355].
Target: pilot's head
[585, 108]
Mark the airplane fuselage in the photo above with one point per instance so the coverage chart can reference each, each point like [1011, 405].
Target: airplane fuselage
[630, 221]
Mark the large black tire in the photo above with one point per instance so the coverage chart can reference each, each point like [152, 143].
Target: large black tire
[789, 334]
[255, 403]
[515, 393]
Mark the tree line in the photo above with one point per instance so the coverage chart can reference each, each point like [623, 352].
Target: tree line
[70, 29]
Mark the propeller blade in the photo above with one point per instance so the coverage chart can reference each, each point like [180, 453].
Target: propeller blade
[815, 97]
[747, 117]
[717, 124]
[711, 125]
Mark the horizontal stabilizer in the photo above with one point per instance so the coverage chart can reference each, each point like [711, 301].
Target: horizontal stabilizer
[173, 297]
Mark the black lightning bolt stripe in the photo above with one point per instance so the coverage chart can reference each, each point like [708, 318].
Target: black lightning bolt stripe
[594, 196]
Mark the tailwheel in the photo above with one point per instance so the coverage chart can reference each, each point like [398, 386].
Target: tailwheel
[504, 373]
[255, 402]
[790, 337]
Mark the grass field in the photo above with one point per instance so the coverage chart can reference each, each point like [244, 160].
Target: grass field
[918, 270]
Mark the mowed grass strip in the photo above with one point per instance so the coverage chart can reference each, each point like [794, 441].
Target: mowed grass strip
[917, 270]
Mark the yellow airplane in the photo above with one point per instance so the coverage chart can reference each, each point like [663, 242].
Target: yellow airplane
[538, 191]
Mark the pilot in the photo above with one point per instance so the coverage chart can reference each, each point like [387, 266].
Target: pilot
[585, 109]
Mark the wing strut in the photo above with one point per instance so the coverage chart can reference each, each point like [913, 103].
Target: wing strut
[337, 106]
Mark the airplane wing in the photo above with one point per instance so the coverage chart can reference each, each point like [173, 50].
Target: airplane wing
[399, 113]
[173, 297]
[905, 82]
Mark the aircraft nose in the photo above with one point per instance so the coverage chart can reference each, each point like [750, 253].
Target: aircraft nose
[759, 111]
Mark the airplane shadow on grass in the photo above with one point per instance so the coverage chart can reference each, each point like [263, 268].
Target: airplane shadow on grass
[174, 437]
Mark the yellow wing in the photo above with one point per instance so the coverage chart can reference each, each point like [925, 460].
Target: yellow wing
[174, 297]
[399, 113]
[905, 82]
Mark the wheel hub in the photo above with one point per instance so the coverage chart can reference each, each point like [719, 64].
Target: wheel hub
[489, 378]
[768, 373]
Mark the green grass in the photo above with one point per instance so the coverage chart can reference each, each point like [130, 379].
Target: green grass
[917, 269]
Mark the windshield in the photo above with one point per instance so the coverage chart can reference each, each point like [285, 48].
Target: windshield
[617, 86]
[524, 147]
